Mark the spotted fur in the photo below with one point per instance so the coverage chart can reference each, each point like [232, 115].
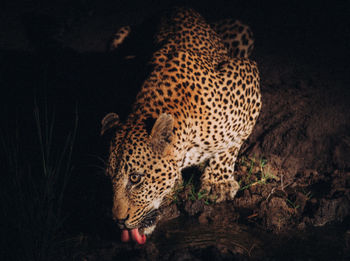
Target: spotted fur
[119, 37]
[236, 36]
[197, 105]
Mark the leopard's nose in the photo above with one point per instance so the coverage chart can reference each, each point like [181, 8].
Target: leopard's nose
[121, 222]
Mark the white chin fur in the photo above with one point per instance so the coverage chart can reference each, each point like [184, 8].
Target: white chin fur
[156, 203]
[149, 230]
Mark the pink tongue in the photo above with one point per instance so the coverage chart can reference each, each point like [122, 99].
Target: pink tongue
[135, 234]
[125, 235]
[140, 239]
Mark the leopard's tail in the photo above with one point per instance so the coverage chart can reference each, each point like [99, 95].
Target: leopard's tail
[236, 36]
[119, 37]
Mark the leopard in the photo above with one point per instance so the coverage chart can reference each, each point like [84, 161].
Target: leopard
[199, 103]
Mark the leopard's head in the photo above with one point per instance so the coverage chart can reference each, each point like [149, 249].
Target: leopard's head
[143, 172]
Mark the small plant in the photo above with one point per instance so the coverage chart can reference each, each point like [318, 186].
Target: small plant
[201, 195]
[257, 172]
[189, 190]
[176, 192]
[293, 204]
[308, 194]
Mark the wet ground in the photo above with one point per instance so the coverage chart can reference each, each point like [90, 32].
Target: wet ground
[185, 238]
[294, 170]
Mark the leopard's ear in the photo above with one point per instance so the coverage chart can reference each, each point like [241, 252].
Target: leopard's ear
[109, 121]
[162, 133]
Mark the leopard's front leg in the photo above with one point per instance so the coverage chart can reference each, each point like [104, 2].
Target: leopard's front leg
[218, 177]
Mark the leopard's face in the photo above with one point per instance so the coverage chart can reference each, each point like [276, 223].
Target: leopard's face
[140, 184]
[143, 174]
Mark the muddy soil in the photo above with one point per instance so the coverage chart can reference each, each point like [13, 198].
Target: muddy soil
[294, 170]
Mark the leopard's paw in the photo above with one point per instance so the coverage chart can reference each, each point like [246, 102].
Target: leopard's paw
[220, 191]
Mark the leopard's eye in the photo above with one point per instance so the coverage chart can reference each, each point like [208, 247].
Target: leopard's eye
[135, 178]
